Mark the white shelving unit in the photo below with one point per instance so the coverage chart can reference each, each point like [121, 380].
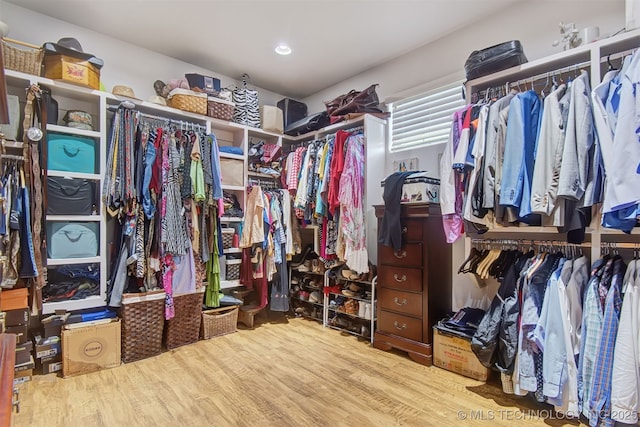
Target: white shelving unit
[593, 56]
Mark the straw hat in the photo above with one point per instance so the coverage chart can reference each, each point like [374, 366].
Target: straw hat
[126, 91]
[155, 99]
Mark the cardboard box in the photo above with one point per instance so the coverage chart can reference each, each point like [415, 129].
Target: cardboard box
[90, 346]
[47, 347]
[22, 377]
[52, 325]
[24, 352]
[20, 331]
[16, 317]
[25, 366]
[454, 354]
[232, 171]
[271, 119]
[72, 70]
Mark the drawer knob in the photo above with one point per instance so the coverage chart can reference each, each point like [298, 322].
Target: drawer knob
[400, 302]
[404, 230]
[399, 254]
[399, 326]
[400, 279]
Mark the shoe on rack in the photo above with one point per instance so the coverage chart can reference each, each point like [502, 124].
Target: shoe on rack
[305, 267]
[361, 310]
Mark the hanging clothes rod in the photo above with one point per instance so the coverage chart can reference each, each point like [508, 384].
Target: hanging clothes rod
[525, 242]
[168, 121]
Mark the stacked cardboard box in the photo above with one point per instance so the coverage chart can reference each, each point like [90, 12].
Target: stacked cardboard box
[16, 321]
[48, 345]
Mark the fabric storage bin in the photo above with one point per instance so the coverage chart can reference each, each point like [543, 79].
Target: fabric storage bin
[72, 239]
[232, 171]
[227, 237]
[233, 269]
[70, 196]
[219, 321]
[142, 325]
[184, 328]
[220, 109]
[271, 119]
[71, 153]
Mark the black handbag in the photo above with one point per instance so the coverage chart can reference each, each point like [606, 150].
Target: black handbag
[308, 124]
[495, 58]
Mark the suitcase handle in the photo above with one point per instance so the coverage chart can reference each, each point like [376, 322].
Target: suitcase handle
[71, 239]
[70, 191]
[69, 153]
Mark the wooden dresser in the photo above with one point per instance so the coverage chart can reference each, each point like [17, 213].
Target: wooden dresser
[414, 283]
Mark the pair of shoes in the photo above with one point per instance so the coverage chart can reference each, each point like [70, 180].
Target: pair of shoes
[364, 310]
[305, 267]
[351, 307]
[314, 296]
[349, 293]
[349, 274]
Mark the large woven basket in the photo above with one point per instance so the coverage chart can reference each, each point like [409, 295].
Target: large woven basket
[219, 321]
[142, 324]
[27, 58]
[220, 109]
[184, 328]
[187, 100]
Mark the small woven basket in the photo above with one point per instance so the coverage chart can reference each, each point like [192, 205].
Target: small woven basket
[220, 109]
[27, 60]
[184, 328]
[185, 101]
[142, 324]
[219, 321]
[233, 269]
[227, 237]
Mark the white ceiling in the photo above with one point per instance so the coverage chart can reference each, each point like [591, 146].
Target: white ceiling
[332, 40]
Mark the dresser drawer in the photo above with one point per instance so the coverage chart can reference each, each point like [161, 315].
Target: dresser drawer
[398, 324]
[407, 279]
[400, 301]
[411, 231]
[409, 255]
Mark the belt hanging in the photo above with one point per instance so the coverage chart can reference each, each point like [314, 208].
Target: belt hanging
[34, 140]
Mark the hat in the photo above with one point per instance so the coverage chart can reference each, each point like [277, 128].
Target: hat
[71, 47]
[126, 91]
[158, 100]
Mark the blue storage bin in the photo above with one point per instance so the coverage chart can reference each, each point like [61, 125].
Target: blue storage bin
[71, 153]
[72, 239]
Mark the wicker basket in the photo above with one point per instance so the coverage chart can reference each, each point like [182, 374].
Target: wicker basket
[187, 100]
[184, 328]
[233, 269]
[227, 237]
[220, 109]
[219, 321]
[142, 324]
[27, 60]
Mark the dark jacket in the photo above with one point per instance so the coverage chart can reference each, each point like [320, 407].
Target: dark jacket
[390, 233]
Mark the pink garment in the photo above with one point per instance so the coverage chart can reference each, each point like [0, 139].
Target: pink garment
[167, 284]
[335, 171]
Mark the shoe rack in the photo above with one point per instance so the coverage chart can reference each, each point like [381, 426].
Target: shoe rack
[350, 302]
[306, 290]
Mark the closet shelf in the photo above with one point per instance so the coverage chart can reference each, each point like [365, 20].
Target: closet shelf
[83, 218]
[262, 175]
[72, 305]
[65, 261]
[231, 156]
[355, 298]
[233, 187]
[230, 219]
[232, 250]
[67, 90]
[228, 284]
[73, 131]
[80, 175]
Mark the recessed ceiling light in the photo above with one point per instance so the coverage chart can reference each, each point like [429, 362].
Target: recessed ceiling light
[283, 49]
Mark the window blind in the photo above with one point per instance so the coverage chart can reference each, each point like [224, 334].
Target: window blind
[425, 119]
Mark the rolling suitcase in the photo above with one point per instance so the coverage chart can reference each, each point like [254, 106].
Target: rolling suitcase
[293, 110]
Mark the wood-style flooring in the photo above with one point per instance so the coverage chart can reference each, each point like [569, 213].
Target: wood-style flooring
[285, 372]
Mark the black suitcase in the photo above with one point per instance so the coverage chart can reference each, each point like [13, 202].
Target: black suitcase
[293, 110]
[495, 58]
[308, 124]
[70, 196]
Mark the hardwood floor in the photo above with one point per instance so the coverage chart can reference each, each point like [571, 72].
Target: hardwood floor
[285, 372]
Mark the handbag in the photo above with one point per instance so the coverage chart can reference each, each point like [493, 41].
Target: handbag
[247, 111]
[365, 101]
[493, 59]
[308, 124]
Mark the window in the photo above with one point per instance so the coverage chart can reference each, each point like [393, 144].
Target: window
[424, 120]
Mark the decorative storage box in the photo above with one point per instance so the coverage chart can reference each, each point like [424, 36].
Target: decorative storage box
[232, 171]
[219, 321]
[90, 346]
[420, 188]
[14, 299]
[271, 119]
[72, 70]
[188, 100]
[142, 325]
[233, 269]
[70, 196]
[202, 83]
[71, 153]
[227, 237]
[72, 239]
[184, 328]
[220, 109]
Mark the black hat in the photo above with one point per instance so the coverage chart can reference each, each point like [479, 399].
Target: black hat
[71, 47]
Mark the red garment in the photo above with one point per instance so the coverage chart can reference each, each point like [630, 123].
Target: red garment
[156, 168]
[335, 170]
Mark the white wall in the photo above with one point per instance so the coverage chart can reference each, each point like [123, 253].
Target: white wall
[125, 63]
[534, 23]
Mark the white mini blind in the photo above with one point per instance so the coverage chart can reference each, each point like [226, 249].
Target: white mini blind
[425, 119]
